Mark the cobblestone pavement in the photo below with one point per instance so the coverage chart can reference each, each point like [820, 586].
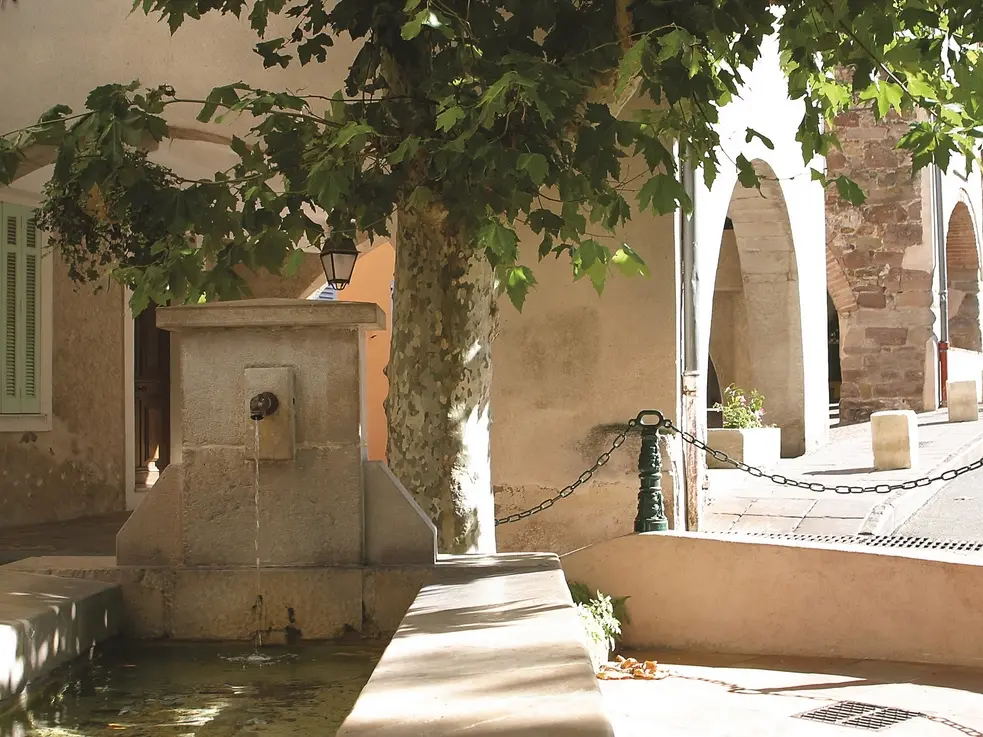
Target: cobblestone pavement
[85, 536]
[741, 503]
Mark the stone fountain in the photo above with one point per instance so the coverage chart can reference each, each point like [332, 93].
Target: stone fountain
[271, 523]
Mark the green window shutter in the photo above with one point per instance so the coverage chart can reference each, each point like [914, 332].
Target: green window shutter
[20, 311]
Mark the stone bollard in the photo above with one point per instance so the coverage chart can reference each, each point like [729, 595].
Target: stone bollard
[894, 437]
[962, 398]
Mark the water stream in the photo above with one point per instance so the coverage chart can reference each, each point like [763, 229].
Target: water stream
[143, 689]
[260, 614]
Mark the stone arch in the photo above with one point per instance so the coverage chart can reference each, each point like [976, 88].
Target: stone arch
[963, 280]
[842, 303]
[760, 251]
[838, 286]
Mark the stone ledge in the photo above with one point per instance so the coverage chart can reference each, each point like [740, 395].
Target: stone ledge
[273, 313]
[790, 598]
[46, 621]
[492, 647]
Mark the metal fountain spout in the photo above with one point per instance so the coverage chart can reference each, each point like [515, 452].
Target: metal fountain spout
[263, 405]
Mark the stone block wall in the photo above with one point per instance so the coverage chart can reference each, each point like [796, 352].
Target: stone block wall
[886, 328]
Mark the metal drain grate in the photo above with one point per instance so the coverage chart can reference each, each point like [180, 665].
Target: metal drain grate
[870, 717]
[876, 541]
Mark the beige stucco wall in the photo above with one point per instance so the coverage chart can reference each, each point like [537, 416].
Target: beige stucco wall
[569, 372]
[78, 468]
[40, 41]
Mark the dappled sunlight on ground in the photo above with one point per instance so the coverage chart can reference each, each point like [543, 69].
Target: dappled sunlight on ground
[745, 696]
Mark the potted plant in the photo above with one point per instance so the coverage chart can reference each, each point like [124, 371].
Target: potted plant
[744, 436]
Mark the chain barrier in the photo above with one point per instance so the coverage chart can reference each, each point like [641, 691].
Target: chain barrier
[775, 478]
[582, 479]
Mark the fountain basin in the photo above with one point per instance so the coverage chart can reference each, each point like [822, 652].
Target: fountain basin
[182, 688]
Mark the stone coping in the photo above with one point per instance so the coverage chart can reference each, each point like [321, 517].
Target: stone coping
[492, 646]
[273, 313]
[46, 621]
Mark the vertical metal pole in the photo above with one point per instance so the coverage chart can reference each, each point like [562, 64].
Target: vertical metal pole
[651, 515]
[943, 269]
[693, 410]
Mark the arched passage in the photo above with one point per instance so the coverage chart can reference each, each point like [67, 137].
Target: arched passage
[841, 301]
[963, 280]
[756, 329]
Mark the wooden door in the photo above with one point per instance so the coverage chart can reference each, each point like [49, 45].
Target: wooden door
[152, 384]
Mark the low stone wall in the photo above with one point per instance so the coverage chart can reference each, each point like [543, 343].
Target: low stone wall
[46, 621]
[731, 595]
[219, 604]
[493, 646]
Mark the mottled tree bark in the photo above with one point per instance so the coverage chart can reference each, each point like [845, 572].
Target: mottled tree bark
[440, 378]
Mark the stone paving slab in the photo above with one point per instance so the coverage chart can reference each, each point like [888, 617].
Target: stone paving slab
[746, 696]
[738, 502]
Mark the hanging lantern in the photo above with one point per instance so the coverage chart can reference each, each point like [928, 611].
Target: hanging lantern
[338, 261]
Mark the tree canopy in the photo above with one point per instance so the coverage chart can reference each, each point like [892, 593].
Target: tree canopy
[505, 112]
[460, 125]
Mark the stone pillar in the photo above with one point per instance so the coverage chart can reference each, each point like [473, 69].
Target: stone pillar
[885, 249]
[203, 513]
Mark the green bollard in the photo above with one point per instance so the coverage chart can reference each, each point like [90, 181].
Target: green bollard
[651, 504]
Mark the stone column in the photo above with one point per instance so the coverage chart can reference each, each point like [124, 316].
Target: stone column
[885, 249]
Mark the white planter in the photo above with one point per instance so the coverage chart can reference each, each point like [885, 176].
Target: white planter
[760, 446]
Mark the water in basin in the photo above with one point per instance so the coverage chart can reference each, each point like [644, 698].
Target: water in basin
[138, 689]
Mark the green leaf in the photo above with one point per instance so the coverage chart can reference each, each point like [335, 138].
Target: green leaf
[349, 132]
[752, 134]
[412, 27]
[450, 117]
[629, 262]
[293, 263]
[850, 191]
[500, 242]
[405, 150]
[421, 197]
[662, 193]
[518, 281]
[746, 174]
[270, 51]
[535, 165]
[631, 65]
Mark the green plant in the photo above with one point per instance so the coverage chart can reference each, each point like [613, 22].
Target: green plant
[742, 411]
[461, 124]
[601, 614]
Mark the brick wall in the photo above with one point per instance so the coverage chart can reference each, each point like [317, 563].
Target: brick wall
[883, 339]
